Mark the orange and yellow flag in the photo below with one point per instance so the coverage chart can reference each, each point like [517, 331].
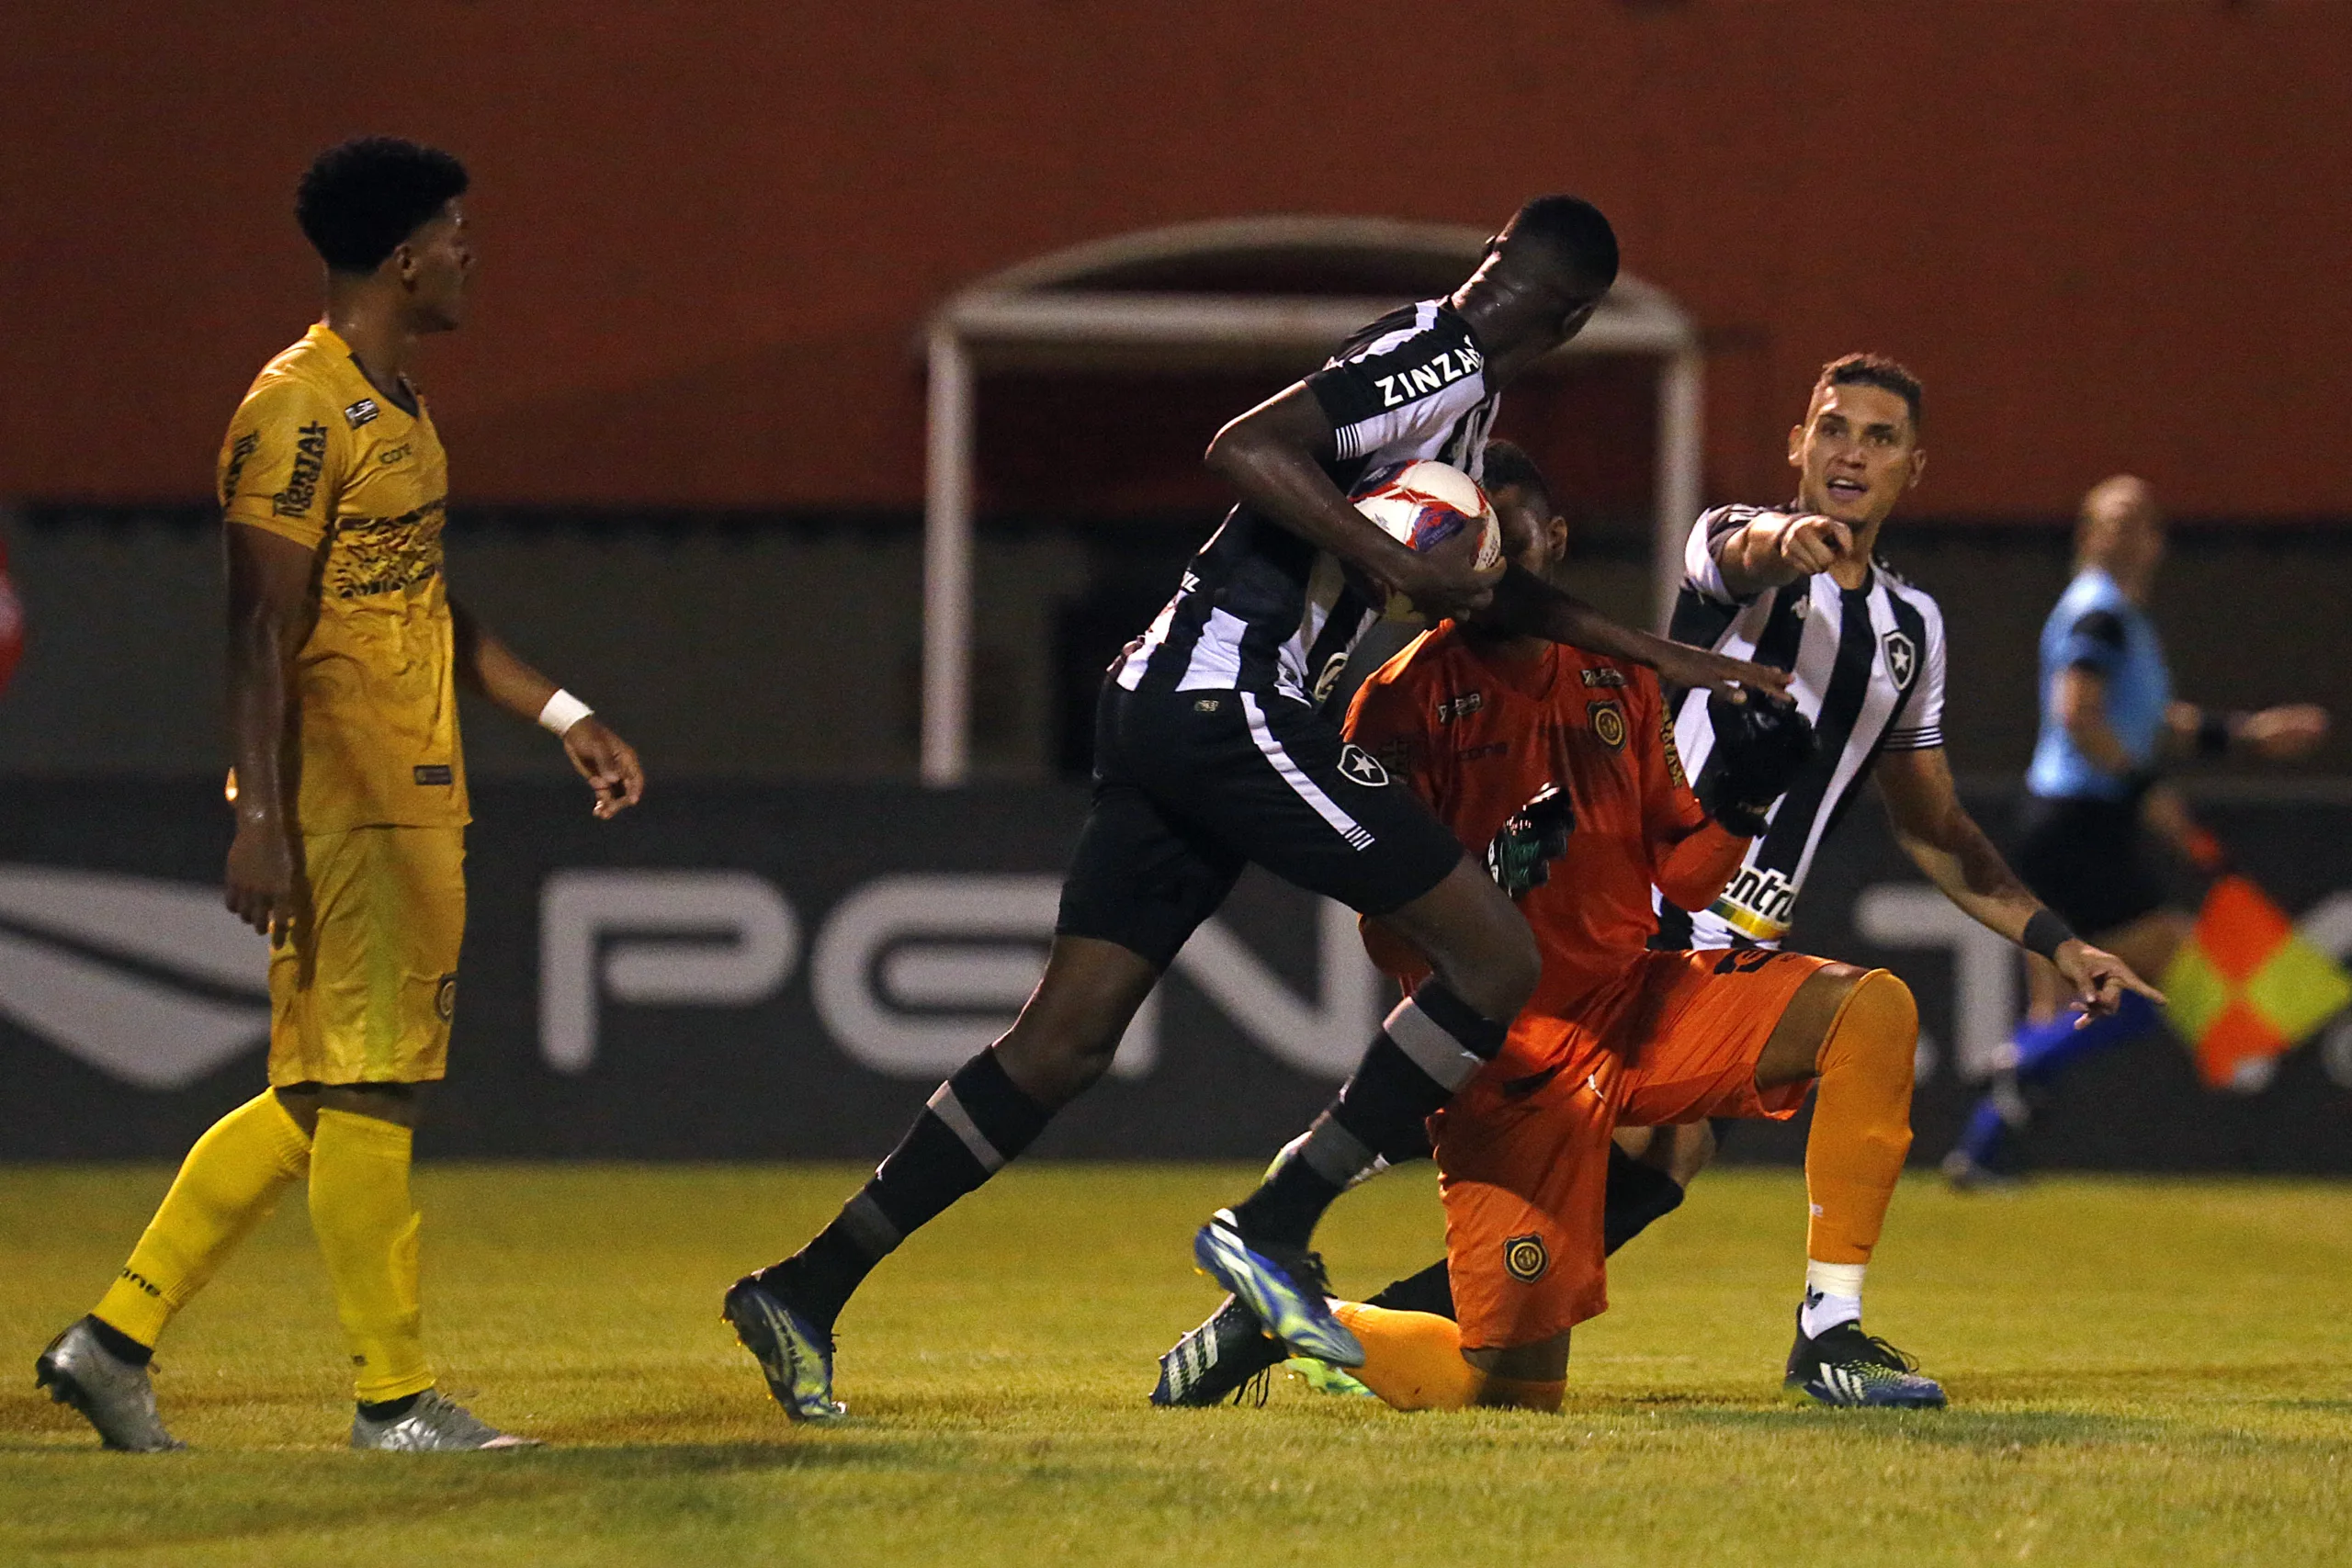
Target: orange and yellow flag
[2246, 988]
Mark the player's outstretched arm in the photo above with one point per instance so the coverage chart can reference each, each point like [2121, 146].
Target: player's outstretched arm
[1527, 605]
[1777, 548]
[271, 612]
[608, 762]
[1273, 456]
[1944, 841]
[2274, 734]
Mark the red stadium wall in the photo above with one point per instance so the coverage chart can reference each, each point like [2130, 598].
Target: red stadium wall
[2107, 235]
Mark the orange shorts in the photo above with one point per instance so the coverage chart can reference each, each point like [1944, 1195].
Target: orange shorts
[1523, 1152]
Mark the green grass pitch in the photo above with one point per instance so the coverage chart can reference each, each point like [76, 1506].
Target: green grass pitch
[2142, 1372]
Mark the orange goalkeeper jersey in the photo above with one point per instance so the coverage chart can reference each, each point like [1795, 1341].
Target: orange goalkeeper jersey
[1480, 733]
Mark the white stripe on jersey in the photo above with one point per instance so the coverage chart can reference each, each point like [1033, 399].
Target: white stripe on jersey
[1901, 678]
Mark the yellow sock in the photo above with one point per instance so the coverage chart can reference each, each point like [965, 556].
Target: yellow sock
[366, 1229]
[1862, 1119]
[229, 1182]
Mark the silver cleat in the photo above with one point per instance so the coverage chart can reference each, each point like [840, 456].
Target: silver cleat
[434, 1424]
[115, 1397]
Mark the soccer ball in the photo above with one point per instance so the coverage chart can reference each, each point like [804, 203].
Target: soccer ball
[1434, 508]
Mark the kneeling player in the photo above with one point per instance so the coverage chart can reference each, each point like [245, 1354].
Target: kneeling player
[1496, 732]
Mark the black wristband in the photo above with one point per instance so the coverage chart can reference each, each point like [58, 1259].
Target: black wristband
[2213, 730]
[2045, 934]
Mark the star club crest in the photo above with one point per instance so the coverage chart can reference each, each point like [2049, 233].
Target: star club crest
[1901, 658]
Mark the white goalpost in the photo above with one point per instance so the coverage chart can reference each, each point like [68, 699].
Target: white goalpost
[1071, 311]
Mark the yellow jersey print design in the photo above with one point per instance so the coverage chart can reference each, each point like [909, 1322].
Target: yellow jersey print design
[316, 456]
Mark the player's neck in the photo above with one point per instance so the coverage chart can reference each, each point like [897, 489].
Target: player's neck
[1501, 648]
[378, 335]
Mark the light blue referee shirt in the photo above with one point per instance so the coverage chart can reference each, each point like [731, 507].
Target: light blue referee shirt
[2096, 627]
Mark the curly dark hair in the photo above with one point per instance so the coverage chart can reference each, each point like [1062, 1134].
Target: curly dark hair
[1509, 466]
[358, 201]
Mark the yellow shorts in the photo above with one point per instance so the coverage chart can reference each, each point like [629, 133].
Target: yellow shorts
[364, 991]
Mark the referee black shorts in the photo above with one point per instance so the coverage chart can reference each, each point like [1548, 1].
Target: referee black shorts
[2088, 859]
[1191, 786]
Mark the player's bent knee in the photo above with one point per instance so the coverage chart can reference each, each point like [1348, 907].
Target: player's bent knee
[1881, 1016]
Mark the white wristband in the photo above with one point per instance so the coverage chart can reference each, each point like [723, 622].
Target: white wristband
[564, 711]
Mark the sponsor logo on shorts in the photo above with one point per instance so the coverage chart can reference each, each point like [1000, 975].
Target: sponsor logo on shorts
[1602, 677]
[302, 483]
[444, 998]
[1901, 658]
[1204, 704]
[1462, 706]
[1525, 1259]
[436, 773]
[1608, 720]
[393, 455]
[363, 412]
[1362, 766]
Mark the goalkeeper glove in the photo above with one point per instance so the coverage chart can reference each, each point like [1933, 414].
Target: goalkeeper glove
[1761, 746]
[1520, 856]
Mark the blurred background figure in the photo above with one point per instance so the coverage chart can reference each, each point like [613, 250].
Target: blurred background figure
[2096, 810]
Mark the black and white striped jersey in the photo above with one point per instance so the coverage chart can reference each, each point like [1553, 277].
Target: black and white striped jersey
[1869, 666]
[1261, 610]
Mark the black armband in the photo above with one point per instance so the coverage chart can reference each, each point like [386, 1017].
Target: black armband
[2215, 730]
[2045, 934]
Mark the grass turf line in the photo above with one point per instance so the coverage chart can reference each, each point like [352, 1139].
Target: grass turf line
[2139, 1369]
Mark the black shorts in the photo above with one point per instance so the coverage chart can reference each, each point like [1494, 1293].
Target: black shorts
[1191, 786]
[2089, 861]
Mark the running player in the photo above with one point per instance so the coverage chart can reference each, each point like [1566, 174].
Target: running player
[1210, 753]
[2108, 721]
[344, 656]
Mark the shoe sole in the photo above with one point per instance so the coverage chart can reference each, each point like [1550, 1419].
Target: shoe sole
[1799, 1393]
[748, 1311]
[1307, 1327]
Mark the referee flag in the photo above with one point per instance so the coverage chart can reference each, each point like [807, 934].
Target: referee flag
[2246, 988]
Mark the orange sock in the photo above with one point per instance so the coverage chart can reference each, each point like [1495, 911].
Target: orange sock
[1413, 1360]
[1862, 1119]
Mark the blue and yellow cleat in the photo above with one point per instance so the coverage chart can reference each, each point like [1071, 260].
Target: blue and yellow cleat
[1285, 1290]
[1842, 1366]
[795, 1355]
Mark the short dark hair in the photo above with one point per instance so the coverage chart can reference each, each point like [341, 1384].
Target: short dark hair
[1509, 466]
[358, 201]
[1574, 232]
[1877, 370]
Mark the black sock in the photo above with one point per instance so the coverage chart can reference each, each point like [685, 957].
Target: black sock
[1427, 1049]
[390, 1409]
[975, 1123]
[1638, 1195]
[1431, 1291]
[118, 1344]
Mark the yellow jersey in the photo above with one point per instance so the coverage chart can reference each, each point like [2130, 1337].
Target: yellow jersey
[316, 454]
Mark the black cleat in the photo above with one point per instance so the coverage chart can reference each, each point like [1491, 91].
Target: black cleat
[1844, 1367]
[1219, 1359]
